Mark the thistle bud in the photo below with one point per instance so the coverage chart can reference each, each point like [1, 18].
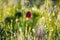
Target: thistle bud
[28, 14]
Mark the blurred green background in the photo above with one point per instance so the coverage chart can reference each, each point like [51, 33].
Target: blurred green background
[29, 19]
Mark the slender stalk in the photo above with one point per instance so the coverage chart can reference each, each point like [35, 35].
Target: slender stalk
[11, 29]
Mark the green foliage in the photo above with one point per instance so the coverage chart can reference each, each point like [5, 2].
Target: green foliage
[15, 24]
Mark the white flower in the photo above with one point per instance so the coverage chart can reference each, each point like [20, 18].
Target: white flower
[27, 18]
[33, 30]
[14, 35]
[16, 20]
[20, 29]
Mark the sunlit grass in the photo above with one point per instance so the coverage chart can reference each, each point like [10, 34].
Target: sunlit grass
[44, 23]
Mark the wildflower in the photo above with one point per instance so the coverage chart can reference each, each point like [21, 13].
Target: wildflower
[17, 20]
[33, 30]
[28, 14]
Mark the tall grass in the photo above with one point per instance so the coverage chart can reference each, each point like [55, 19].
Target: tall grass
[44, 23]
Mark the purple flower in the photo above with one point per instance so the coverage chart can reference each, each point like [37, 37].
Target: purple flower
[28, 14]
